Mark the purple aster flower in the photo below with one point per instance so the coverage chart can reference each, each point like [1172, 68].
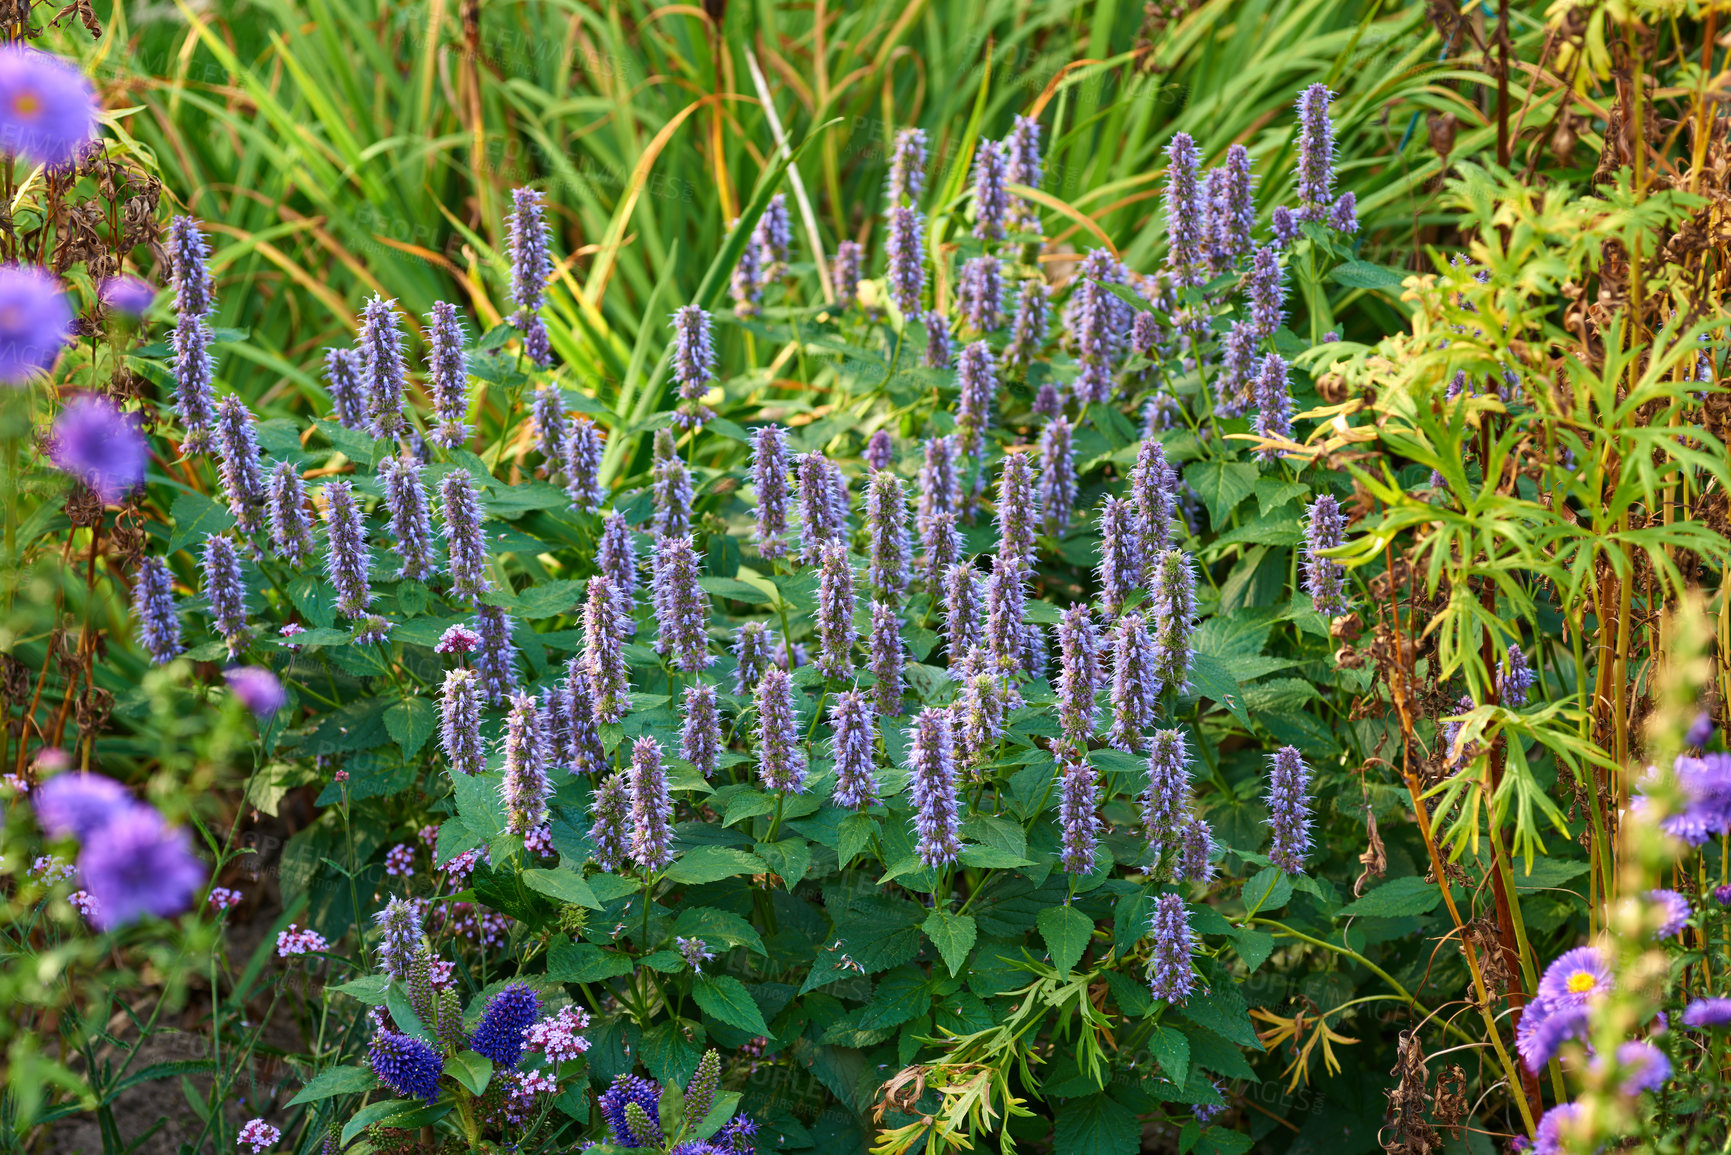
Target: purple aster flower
[406, 1065]
[406, 500]
[1166, 798]
[1231, 210]
[258, 690]
[835, 610]
[1514, 677]
[880, 450]
[1018, 508]
[616, 557]
[780, 761]
[524, 787]
[603, 652]
[1288, 800]
[1006, 604]
[1700, 730]
[980, 294]
[447, 376]
[891, 553]
[904, 251]
[1722, 895]
[769, 475]
[382, 366]
[135, 865]
[752, 646]
[774, 237]
[1135, 685]
[1185, 221]
[98, 445]
[1022, 149]
[700, 736]
[78, 804]
[1266, 287]
[681, 606]
[35, 320]
[1120, 554]
[887, 655]
[154, 608]
[1706, 1014]
[291, 530]
[460, 722]
[343, 383]
[1170, 976]
[531, 266]
[1028, 329]
[47, 107]
[979, 387]
[844, 270]
[610, 819]
[1706, 784]
[460, 516]
[629, 1091]
[496, 659]
[651, 806]
[582, 454]
[1274, 405]
[907, 177]
[1078, 819]
[399, 926]
[1154, 492]
[991, 198]
[1057, 475]
[547, 413]
[348, 564]
[932, 787]
[670, 487]
[1543, 1029]
[1673, 909]
[746, 283]
[938, 353]
[1078, 676]
[940, 485]
[1325, 578]
[1238, 367]
[510, 1013]
[1315, 153]
[961, 601]
[239, 469]
[225, 592]
[851, 722]
[1643, 1066]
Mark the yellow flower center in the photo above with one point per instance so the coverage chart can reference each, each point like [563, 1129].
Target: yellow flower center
[26, 104]
[1581, 982]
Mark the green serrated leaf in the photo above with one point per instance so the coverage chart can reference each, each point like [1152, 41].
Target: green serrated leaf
[1269, 890]
[853, 835]
[725, 999]
[410, 723]
[1395, 898]
[1066, 931]
[195, 518]
[584, 962]
[712, 864]
[563, 884]
[953, 935]
[335, 1081]
[1221, 485]
[788, 859]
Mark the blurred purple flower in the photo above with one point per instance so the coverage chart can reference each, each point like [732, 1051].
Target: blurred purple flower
[97, 444]
[78, 804]
[35, 321]
[47, 107]
[258, 690]
[135, 864]
[127, 294]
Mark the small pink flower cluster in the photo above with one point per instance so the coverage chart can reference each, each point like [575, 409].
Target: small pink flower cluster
[540, 841]
[258, 1135]
[295, 941]
[221, 897]
[463, 865]
[51, 868]
[520, 1106]
[560, 1036]
[476, 923]
[14, 782]
[459, 639]
[400, 860]
[84, 903]
[429, 835]
[442, 972]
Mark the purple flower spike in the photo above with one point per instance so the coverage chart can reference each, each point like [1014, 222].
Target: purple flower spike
[938, 353]
[670, 486]
[382, 366]
[980, 294]
[583, 450]
[961, 600]
[584, 753]
[651, 806]
[1515, 678]
[1028, 331]
[531, 266]
[991, 198]
[348, 393]
[907, 178]
[525, 786]
[693, 364]
[940, 486]
[616, 557]
[399, 936]
[887, 657]
[753, 646]
[138, 865]
[1231, 209]
[154, 609]
[851, 721]
[195, 398]
[1078, 817]
[835, 609]
[769, 475]
[291, 530]
[845, 272]
[700, 736]
[226, 593]
[47, 107]
[1172, 614]
[1006, 603]
[447, 376]
[610, 818]
[1325, 578]
[681, 606]
[460, 722]
[98, 445]
[1018, 508]
[1266, 288]
[905, 252]
[406, 499]
[189, 272]
[1288, 801]
[510, 1013]
[820, 522]
[1274, 405]
[1185, 222]
[978, 382]
[780, 761]
[774, 238]
[1120, 554]
[1078, 677]
[1057, 476]
[603, 652]
[746, 283]
[891, 553]
[880, 450]
[932, 788]
[496, 657]
[1135, 685]
[349, 564]
[1100, 323]
[547, 412]
[942, 542]
[1166, 798]
[1195, 861]
[1024, 168]
[1343, 213]
[239, 469]
[1170, 975]
[460, 512]
[1154, 490]
[1315, 154]
[406, 1065]
[978, 719]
